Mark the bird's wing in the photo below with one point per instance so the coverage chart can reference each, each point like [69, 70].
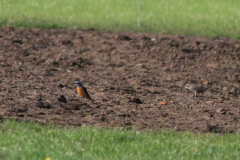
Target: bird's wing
[86, 93]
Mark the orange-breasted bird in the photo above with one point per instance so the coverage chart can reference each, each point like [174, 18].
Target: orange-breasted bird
[82, 91]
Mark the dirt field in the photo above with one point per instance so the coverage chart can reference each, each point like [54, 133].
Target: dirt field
[128, 74]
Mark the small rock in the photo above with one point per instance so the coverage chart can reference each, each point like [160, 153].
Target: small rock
[62, 99]
[61, 85]
[138, 65]
[206, 82]
[219, 110]
[135, 100]
[222, 111]
[153, 39]
[225, 88]
[232, 90]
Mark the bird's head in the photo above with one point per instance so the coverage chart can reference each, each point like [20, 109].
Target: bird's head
[79, 84]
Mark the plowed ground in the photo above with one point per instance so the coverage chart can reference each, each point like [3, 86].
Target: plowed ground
[127, 73]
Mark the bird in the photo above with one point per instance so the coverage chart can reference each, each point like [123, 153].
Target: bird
[82, 91]
[196, 88]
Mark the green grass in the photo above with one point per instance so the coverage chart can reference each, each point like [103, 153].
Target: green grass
[185, 17]
[20, 141]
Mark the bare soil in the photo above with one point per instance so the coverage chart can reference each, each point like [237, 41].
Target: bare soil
[128, 74]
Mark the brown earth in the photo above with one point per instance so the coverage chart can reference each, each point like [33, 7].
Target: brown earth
[128, 74]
